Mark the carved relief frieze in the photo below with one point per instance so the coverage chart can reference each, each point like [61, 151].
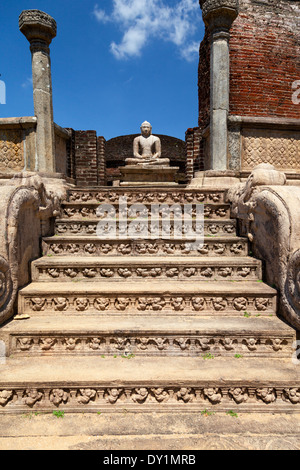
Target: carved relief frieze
[134, 303]
[153, 345]
[211, 228]
[189, 397]
[11, 150]
[147, 197]
[160, 247]
[154, 272]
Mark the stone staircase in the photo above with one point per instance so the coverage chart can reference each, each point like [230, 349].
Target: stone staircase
[147, 324]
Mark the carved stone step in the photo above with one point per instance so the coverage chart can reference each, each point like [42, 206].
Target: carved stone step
[96, 384]
[83, 246]
[67, 268]
[170, 297]
[88, 227]
[79, 210]
[147, 196]
[189, 336]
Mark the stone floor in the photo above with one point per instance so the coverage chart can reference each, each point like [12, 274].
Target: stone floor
[150, 432]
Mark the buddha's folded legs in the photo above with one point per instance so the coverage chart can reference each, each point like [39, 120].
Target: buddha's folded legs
[147, 161]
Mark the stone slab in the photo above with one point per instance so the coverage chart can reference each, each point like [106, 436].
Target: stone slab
[102, 384]
[155, 287]
[169, 297]
[145, 174]
[60, 268]
[142, 194]
[224, 246]
[187, 336]
[135, 432]
[88, 227]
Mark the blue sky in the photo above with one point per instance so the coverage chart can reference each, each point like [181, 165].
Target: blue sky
[115, 63]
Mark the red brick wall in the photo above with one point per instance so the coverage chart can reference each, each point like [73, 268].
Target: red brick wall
[194, 152]
[101, 144]
[264, 61]
[86, 158]
[204, 82]
[265, 58]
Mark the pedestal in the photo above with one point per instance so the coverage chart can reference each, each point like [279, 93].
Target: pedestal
[143, 175]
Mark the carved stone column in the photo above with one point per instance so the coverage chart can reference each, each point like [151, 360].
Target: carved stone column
[40, 28]
[218, 16]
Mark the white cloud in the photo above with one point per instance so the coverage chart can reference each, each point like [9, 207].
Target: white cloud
[142, 20]
[27, 83]
[100, 14]
[191, 51]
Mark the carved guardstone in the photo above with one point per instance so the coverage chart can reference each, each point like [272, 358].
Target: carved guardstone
[146, 166]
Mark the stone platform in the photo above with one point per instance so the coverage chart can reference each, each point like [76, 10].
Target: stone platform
[142, 175]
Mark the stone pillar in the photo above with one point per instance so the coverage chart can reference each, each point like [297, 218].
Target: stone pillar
[40, 28]
[218, 16]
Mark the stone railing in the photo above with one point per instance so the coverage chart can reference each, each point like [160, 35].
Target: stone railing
[268, 211]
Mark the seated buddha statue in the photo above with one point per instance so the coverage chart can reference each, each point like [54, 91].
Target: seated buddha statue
[147, 149]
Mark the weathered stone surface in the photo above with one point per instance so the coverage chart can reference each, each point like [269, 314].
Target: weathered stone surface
[145, 195]
[269, 216]
[140, 384]
[80, 246]
[180, 431]
[141, 336]
[171, 431]
[64, 269]
[40, 28]
[167, 345]
[171, 297]
[144, 174]
[37, 25]
[28, 203]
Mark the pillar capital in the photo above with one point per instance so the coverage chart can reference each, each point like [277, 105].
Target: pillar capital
[218, 15]
[38, 27]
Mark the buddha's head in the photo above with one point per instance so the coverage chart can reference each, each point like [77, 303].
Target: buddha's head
[146, 128]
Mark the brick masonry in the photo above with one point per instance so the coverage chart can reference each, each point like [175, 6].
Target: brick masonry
[264, 63]
[86, 158]
[265, 58]
[194, 152]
